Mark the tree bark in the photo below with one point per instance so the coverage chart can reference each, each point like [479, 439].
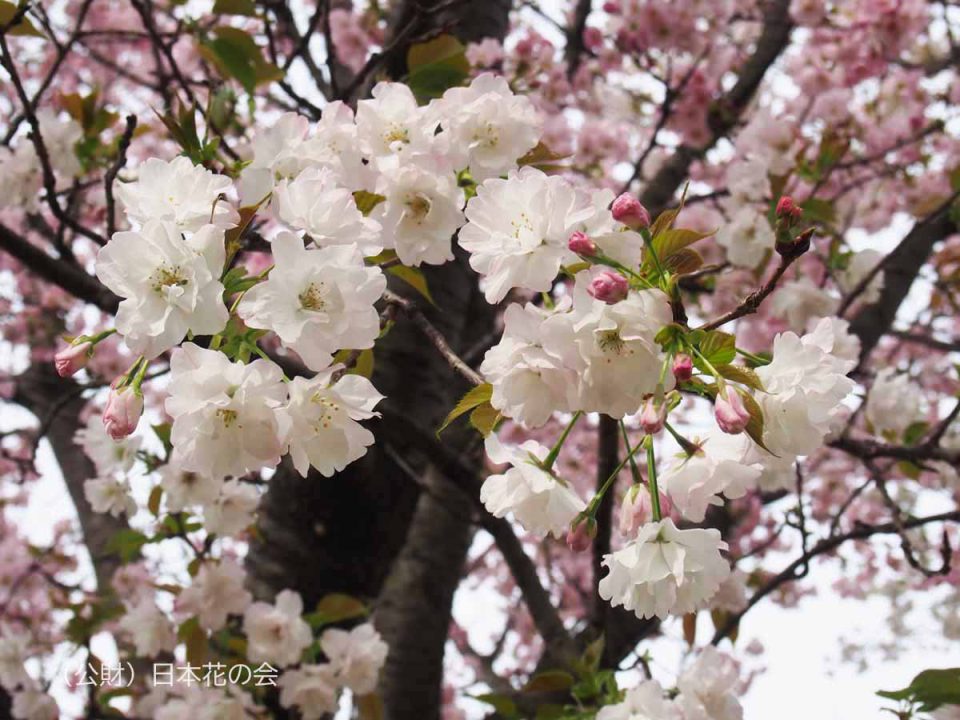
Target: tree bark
[391, 527]
[57, 402]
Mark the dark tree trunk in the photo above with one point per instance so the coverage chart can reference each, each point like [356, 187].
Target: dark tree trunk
[391, 529]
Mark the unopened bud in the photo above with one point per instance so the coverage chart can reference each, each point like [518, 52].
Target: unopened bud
[123, 411]
[635, 510]
[682, 367]
[732, 416]
[628, 210]
[653, 416]
[72, 358]
[788, 210]
[609, 287]
[581, 244]
[581, 533]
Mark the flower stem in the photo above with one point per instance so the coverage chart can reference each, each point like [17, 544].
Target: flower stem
[595, 503]
[652, 479]
[648, 241]
[555, 451]
[755, 359]
[634, 470]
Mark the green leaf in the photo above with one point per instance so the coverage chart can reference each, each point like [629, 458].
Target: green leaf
[475, 397]
[236, 55]
[235, 7]
[127, 543]
[195, 639]
[915, 432]
[543, 157]
[435, 66]
[363, 365]
[153, 503]
[755, 425]
[367, 201]
[501, 703]
[674, 240]
[664, 222]
[549, 681]
[337, 607]
[718, 347]
[669, 337]
[682, 262]
[930, 689]
[413, 277]
[818, 210]
[8, 11]
[740, 374]
[484, 418]
[162, 431]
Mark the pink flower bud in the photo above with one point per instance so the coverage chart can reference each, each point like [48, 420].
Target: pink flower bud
[581, 244]
[72, 358]
[682, 367]
[787, 209]
[635, 510]
[609, 287]
[628, 210]
[123, 411]
[581, 534]
[612, 7]
[732, 416]
[652, 416]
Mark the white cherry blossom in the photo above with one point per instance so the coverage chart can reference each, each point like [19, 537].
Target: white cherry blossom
[709, 688]
[696, 482]
[232, 510]
[646, 701]
[422, 211]
[747, 237]
[486, 127]
[183, 489]
[322, 420]
[665, 571]
[178, 192]
[224, 413]
[276, 633]
[518, 230]
[311, 689]
[169, 285]
[801, 302]
[216, 592]
[108, 455]
[894, 403]
[110, 494]
[314, 202]
[391, 124]
[356, 656]
[540, 501]
[151, 630]
[611, 347]
[316, 301]
[529, 383]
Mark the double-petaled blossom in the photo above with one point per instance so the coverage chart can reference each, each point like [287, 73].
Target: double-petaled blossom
[518, 229]
[316, 203]
[276, 633]
[646, 701]
[539, 500]
[709, 688]
[356, 656]
[421, 211]
[151, 630]
[391, 125]
[804, 386]
[322, 420]
[665, 570]
[170, 285]
[216, 592]
[311, 689]
[894, 403]
[317, 301]
[695, 482]
[529, 382]
[485, 126]
[224, 413]
[610, 347]
[178, 192]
